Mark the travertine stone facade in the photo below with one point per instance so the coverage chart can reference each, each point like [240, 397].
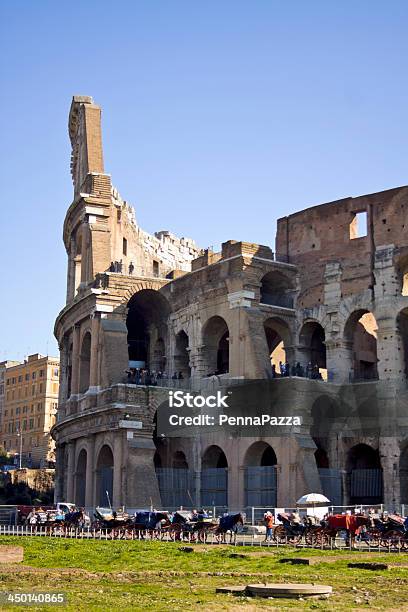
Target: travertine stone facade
[333, 302]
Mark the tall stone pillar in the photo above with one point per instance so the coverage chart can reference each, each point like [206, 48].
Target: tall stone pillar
[70, 472]
[142, 488]
[90, 472]
[390, 351]
[75, 361]
[390, 457]
[59, 473]
[117, 469]
[94, 365]
[339, 360]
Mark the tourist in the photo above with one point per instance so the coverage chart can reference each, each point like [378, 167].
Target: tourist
[131, 268]
[269, 523]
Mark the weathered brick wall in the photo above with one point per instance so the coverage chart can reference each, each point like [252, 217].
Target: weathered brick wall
[321, 234]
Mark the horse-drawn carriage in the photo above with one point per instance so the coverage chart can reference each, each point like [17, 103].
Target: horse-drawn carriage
[114, 522]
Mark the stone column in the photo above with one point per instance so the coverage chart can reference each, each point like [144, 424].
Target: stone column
[59, 473]
[90, 472]
[94, 365]
[390, 457]
[70, 472]
[117, 469]
[75, 361]
[390, 351]
[339, 360]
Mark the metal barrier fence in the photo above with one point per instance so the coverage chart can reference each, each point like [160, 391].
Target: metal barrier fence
[399, 545]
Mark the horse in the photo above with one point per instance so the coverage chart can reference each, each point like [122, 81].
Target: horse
[350, 523]
[146, 522]
[229, 523]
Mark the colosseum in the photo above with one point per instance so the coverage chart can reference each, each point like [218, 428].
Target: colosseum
[321, 324]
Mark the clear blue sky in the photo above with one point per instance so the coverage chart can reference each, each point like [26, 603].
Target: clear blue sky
[218, 118]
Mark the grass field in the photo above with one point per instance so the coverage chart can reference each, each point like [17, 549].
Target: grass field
[119, 575]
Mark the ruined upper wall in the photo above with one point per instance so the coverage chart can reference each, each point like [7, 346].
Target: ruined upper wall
[322, 234]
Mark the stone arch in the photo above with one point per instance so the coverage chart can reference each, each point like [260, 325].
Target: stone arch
[312, 345]
[260, 475]
[215, 335]
[214, 477]
[104, 475]
[80, 478]
[360, 335]
[403, 474]
[182, 355]
[148, 312]
[277, 289]
[279, 341]
[85, 362]
[364, 475]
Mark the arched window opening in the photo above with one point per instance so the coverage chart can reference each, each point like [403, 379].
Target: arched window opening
[77, 264]
[182, 357]
[146, 322]
[180, 461]
[214, 478]
[260, 475]
[80, 479]
[277, 337]
[361, 333]
[276, 290]
[365, 479]
[216, 343]
[176, 483]
[85, 363]
[104, 477]
[312, 344]
[402, 270]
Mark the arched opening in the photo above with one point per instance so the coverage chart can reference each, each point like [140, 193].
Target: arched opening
[402, 270]
[277, 337]
[312, 344]
[77, 263]
[175, 479]
[260, 475]
[403, 474]
[402, 324]
[365, 479]
[214, 477]
[85, 363]
[361, 333]
[146, 322]
[276, 290]
[80, 479]
[216, 343]
[181, 356]
[104, 477]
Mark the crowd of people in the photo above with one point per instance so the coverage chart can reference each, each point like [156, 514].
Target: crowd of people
[296, 369]
[151, 378]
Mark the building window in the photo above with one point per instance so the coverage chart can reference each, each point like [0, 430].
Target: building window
[124, 249]
[41, 373]
[18, 410]
[27, 377]
[33, 390]
[33, 376]
[20, 378]
[155, 268]
[31, 423]
[8, 381]
[40, 388]
[56, 372]
[358, 225]
[25, 425]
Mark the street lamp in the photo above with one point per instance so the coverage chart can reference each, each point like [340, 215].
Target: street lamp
[20, 435]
